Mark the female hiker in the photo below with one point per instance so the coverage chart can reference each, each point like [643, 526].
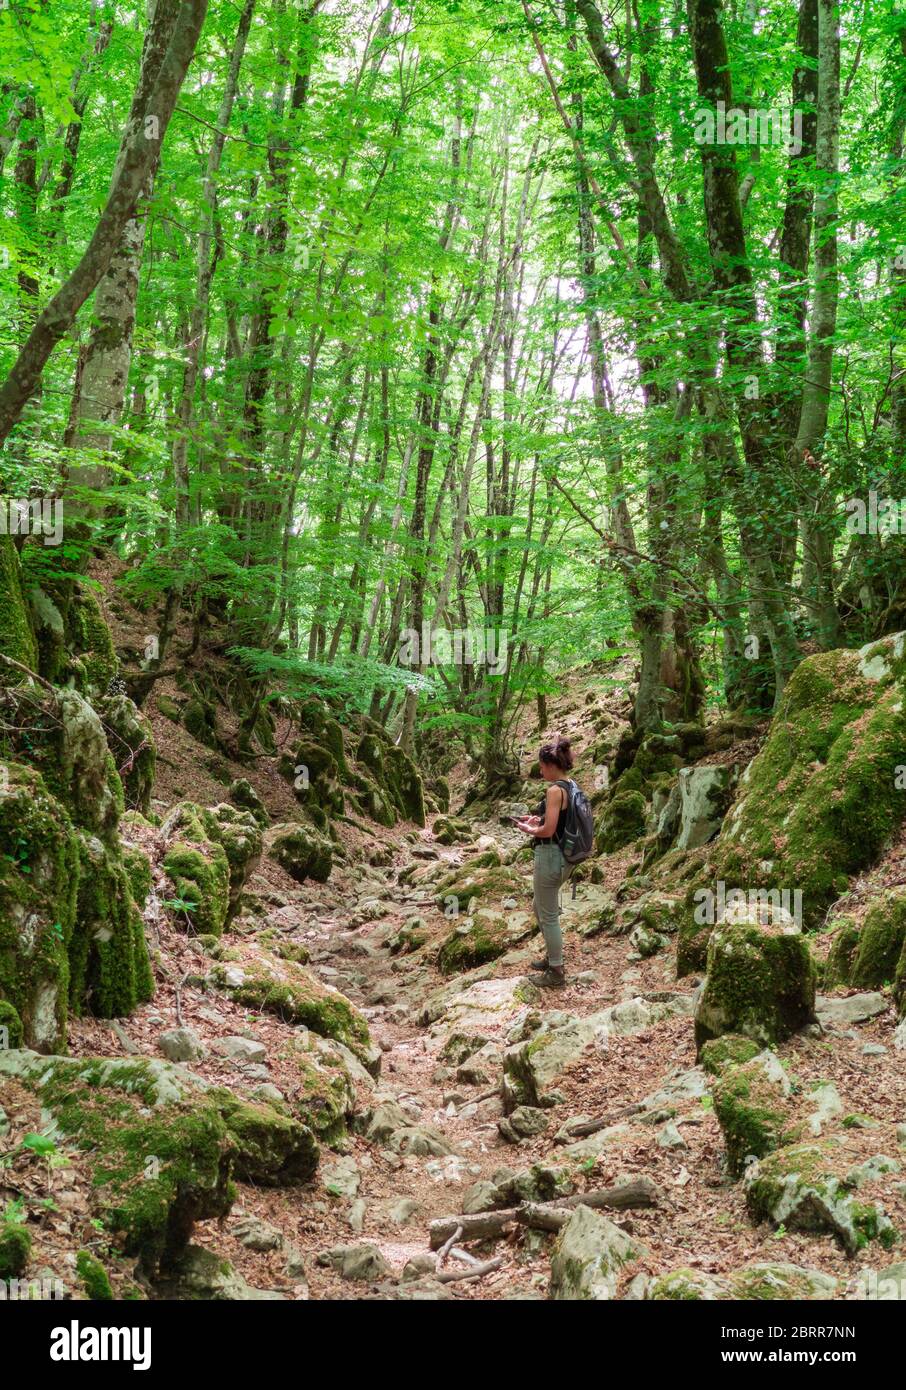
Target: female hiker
[551, 869]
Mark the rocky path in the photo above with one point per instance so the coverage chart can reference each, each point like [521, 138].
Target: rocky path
[495, 1102]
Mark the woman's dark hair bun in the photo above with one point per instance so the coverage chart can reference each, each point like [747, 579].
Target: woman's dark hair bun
[559, 753]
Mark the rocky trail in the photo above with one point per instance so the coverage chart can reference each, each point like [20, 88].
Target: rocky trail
[353, 1089]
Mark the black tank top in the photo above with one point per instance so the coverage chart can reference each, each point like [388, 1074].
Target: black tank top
[561, 819]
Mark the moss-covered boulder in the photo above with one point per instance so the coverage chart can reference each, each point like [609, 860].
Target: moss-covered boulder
[730, 1050]
[804, 1188]
[622, 823]
[820, 800]
[17, 640]
[78, 767]
[109, 967]
[39, 874]
[240, 836]
[473, 941]
[760, 983]
[838, 965]
[447, 830]
[325, 1097]
[756, 1111]
[880, 943]
[588, 1256]
[15, 1248]
[272, 1149]
[162, 1147]
[394, 773]
[486, 886]
[199, 718]
[200, 873]
[131, 743]
[301, 850]
[138, 872]
[289, 990]
[243, 795]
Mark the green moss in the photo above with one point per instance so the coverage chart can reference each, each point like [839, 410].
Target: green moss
[10, 1020]
[16, 636]
[325, 1096]
[15, 1248]
[473, 943]
[301, 851]
[200, 874]
[88, 637]
[681, 1285]
[622, 823]
[272, 1149]
[754, 1113]
[799, 1187]
[131, 742]
[729, 1050]
[820, 800]
[199, 718]
[39, 871]
[839, 963]
[243, 795]
[109, 965]
[880, 942]
[93, 1276]
[138, 871]
[486, 885]
[760, 983]
[296, 997]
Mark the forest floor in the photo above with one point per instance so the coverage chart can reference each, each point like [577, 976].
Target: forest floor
[367, 1192]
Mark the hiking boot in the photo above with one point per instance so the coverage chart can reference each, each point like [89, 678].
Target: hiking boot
[554, 977]
[542, 964]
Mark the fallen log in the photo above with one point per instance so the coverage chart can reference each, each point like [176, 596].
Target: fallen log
[589, 1127]
[488, 1225]
[448, 1276]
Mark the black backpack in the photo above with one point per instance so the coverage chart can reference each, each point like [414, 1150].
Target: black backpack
[578, 842]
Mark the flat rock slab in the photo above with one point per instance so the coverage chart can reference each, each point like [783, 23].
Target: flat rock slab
[857, 1008]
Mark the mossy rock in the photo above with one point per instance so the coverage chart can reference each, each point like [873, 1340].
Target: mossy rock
[832, 750]
[801, 1187]
[273, 1149]
[17, 639]
[449, 831]
[880, 943]
[169, 709]
[39, 876]
[131, 742]
[78, 767]
[93, 1276]
[325, 1097]
[110, 972]
[488, 885]
[760, 983]
[686, 1286]
[11, 1031]
[727, 1051]
[238, 833]
[473, 942]
[162, 1147]
[200, 873]
[769, 1282]
[754, 1107]
[158, 1149]
[838, 966]
[293, 994]
[243, 795]
[87, 636]
[138, 872]
[622, 823]
[301, 851]
[199, 718]
[15, 1248]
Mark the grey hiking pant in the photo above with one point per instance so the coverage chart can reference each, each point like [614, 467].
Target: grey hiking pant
[551, 870]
